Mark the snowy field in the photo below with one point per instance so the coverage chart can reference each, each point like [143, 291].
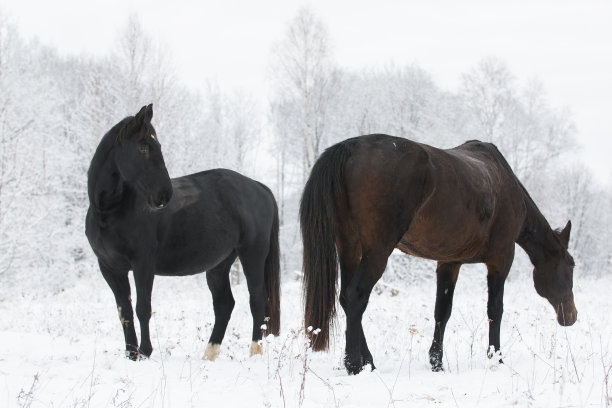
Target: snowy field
[65, 350]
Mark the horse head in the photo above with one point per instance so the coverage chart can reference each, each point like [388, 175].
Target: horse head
[553, 279]
[140, 162]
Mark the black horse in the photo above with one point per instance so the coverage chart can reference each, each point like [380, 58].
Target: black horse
[371, 194]
[141, 220]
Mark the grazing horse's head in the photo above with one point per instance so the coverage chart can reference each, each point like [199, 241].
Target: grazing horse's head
[553, 279]
[139, 159]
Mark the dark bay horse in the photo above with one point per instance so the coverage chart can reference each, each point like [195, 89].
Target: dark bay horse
[371, 194]
[141, 220]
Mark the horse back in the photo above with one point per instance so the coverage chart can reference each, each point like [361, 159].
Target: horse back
[438, 204]
[475, 208]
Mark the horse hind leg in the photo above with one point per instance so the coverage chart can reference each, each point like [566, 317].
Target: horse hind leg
[253, 262]
[357, 295]
[349, 256]
[120, 285]
[223, 304]
[447, 274]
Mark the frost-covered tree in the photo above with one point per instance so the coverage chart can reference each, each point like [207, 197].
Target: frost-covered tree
[306, 78]
[520, 122]
[10, 130]
[243, 129]
[401, 101]
[231, 129]
[133, 56]
[572, 194]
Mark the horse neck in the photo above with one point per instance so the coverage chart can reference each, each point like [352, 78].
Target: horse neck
[104, 184]
[537, 237]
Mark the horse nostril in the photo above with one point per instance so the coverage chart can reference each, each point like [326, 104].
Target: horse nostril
[160, 201]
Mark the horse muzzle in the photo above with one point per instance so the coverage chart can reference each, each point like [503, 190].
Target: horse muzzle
[567, 313]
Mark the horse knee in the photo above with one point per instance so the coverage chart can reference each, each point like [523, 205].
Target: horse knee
[143, 311]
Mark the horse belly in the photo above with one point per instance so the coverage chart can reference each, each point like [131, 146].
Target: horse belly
[191, 260]
[442, 239]
[191, 252]
[194, 240]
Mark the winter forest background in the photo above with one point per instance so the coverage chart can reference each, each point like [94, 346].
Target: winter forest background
[55, 108]
[61, 339]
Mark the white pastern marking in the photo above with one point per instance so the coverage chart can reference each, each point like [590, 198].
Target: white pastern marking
[256, 348]
[212, 352]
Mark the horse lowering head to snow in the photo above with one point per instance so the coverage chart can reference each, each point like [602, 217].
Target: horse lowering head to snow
[368, 195]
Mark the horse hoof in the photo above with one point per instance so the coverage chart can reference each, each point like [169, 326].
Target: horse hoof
[355, 367]
[144, 354]
[256, 348]
[435, 359]
[371, 364]
[212, 352]
[436, 364]
[132, 354]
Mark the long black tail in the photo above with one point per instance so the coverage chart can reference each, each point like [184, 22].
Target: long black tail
[272, 278]
[323, 194]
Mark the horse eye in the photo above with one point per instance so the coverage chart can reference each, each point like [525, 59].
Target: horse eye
[143, 148]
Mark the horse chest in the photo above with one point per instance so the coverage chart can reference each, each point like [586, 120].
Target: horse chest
[113, 245]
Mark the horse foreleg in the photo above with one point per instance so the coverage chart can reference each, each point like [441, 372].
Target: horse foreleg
[223, 304]
[120, 285]
[446, 280]
[144, 287]
[496, 277]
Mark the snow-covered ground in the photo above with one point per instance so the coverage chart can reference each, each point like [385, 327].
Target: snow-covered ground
[65, 350]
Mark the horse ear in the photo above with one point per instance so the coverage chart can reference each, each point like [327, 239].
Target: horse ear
[564, 235]
[142, 114]
[148, 113]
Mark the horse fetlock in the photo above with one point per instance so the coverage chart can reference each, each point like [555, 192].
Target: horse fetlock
[145, 351]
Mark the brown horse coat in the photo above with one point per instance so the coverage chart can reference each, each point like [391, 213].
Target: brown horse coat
[371, 194]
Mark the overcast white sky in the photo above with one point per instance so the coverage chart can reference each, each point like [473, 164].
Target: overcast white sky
[566, 44]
